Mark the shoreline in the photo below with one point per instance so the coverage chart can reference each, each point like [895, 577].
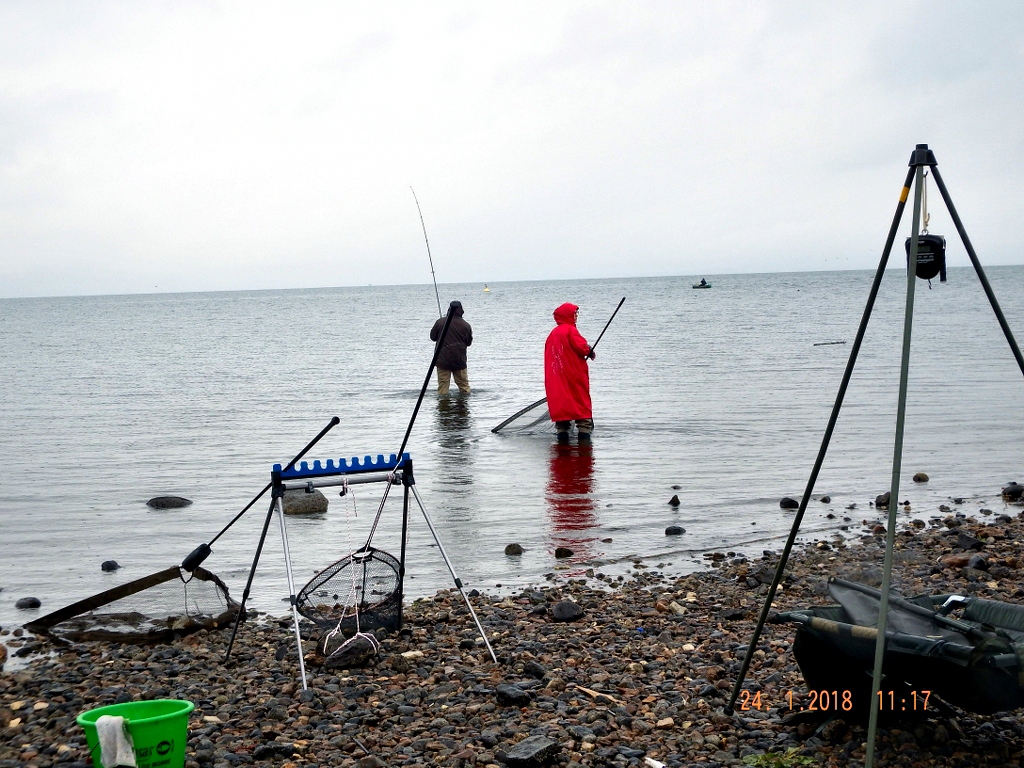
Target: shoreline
[643, 674]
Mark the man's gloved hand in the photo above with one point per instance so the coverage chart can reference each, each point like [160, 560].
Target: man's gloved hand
[592, 354]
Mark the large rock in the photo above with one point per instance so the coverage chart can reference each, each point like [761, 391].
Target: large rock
[882, 500]
[566, 610]
[789, 503]
[298, 502]
[511, 696]
[532, 752]
[675, 530]
[26, 603]
[966, 541]
[345, 653]
[513, 549]
[168, 502]
[110, 565]
[1013, 492]
[920, 477]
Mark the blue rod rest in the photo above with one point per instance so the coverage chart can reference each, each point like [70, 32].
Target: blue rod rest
[343, 467]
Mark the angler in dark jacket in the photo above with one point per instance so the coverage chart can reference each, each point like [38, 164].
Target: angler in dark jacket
[452, 359]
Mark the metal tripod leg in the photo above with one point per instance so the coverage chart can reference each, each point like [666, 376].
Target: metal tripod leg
[248, 584]
[824, 443]
[897, 463]
[458, 581]
[279, 506]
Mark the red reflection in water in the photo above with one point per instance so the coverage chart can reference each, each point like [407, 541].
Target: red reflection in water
[569, 496]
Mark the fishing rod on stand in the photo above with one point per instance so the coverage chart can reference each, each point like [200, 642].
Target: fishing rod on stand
[410, 483]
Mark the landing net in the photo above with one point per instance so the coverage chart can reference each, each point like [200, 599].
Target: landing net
[152, 609]
[329, 599]
[531, 420]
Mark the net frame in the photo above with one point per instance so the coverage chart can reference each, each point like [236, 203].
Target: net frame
[378, 573]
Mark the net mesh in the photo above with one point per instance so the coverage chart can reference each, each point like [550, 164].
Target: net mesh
[156, 608]
[367, 581]
[532, 420]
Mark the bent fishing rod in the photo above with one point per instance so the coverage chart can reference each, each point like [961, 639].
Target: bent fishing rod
[543, 400]
[429, 257]
[196, 557]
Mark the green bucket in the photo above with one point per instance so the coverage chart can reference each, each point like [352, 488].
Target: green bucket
[159, 730]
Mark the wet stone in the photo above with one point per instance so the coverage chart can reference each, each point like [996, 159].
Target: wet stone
[511, 696]
[168, 502]
[566, 610]
[530, 752]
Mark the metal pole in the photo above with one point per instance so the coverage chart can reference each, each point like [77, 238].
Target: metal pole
[977, 268]
[248, 584]
[824, 442]
[451, 570]
[407, 481]
[897, 462]
[279, 506]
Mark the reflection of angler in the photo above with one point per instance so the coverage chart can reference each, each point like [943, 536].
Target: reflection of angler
[570, 484]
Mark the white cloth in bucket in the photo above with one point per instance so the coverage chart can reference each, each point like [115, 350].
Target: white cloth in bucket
[116, 748]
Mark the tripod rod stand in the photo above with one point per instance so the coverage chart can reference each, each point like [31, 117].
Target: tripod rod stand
[847, 374]
[921, 158]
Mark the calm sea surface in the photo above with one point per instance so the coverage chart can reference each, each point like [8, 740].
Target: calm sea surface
[108, 401]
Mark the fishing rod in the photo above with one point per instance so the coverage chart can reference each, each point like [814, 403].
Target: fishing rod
[621, 302]
[200, 553]
[543, 400]
[429, 257]
[412, 421]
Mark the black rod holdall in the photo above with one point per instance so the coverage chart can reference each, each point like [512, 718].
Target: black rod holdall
[931, 256]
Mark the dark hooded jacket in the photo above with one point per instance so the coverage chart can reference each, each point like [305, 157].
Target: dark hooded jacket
[459, 336]
[566, 376]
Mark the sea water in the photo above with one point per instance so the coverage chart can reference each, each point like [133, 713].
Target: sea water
[719, 396]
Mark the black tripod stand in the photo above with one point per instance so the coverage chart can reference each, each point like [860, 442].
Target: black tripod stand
[921, 159]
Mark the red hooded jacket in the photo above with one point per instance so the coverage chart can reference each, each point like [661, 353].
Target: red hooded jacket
[566, 377]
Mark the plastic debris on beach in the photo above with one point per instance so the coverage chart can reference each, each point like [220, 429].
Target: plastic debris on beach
[157, 608]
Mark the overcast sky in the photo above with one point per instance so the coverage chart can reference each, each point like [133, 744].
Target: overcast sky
[176, 146]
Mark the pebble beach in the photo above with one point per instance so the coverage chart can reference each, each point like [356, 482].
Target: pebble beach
[640, 678]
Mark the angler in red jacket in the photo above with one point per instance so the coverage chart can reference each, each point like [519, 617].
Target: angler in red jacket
[566, 377]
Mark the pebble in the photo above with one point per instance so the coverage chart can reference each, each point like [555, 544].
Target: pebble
[629, 683]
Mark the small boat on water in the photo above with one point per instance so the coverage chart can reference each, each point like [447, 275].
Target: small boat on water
[486, 289]
[702, 284]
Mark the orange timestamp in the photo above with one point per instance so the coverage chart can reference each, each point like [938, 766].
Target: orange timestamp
[835, 701]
